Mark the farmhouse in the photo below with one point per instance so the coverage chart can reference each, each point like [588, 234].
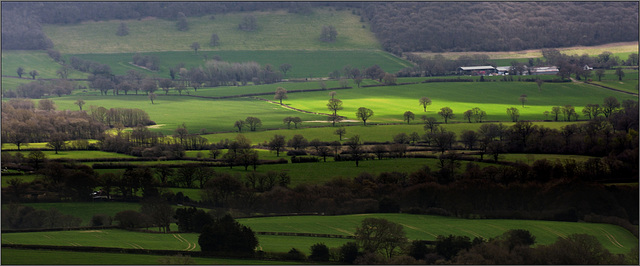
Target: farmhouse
[503, 70]
[477, 70]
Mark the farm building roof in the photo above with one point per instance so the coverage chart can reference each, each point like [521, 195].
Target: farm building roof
[478, 68]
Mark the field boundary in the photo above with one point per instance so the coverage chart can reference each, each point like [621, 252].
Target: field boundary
[609, 88]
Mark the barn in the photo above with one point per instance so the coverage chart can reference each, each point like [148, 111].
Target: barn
[477, 70]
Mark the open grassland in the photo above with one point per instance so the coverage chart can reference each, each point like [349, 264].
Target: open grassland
[277, 30]
[389, 103]
[621, 50]
[23, 178]
[417, 227]
[628, 83]
[169, 112]
[46, 257]
[33, 60]
[427, 227]
[305, 63]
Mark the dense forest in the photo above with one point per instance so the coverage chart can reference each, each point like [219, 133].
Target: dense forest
[399, 26]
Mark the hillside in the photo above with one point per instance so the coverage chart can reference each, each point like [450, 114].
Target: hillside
[276, 30]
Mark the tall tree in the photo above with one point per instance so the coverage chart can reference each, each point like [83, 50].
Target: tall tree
[341, 131]
[328, 33]
[355, 148]
[123, 29]
[33, 74]
[20, 71]
[152, 97]
[253, 123]
[182, 23]
[281, 93]
[619, 73]
[446, 113]
[408, 116]
[523, 99]
[195, 46]
[277, 143]
[364, 114]
[334, 105]
[513, 113]
[285, 68]
[610, 104]
[600, 74]
[80, 103]
[425, 101]
[215, 40]
[378, 235]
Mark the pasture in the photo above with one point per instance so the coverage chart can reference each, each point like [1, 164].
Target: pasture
[277, 30]
[32, 60]
[388, 103]
[78, 154]
[324, 61]
[417, 227]
[43, 257]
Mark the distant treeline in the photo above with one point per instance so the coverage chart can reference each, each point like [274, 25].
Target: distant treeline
[500, 26]
[399, 26]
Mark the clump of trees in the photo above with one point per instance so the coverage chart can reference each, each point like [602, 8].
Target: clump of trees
[150, 62]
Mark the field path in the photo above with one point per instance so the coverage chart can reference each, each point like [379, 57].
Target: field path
[190, 247]
[419, 230]
[337, 229]
[612, 238]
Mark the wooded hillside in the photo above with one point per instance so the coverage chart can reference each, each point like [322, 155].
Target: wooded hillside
[399, 26]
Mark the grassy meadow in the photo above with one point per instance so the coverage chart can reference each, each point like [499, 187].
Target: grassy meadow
[277, 30]
[388, 103]
[324, 61]
[43, 257]
[417, 227]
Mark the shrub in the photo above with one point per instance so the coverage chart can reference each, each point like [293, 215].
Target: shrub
[295, 254]
[319, 252]
[101, 220]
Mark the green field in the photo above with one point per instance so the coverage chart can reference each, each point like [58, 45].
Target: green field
[78, 154]
[427, 227]
[417, 227]
[324, 61]
[628, 83]
[32, 60]
[277, 30]
[45, 257]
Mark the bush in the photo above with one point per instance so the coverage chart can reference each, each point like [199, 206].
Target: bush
[295, 254]
[101, 220]
[296, 153]
[319, 252]
[304, 159]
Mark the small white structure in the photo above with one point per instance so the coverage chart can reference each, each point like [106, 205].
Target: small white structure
[551, 70]
[477, 70]
[587, 67]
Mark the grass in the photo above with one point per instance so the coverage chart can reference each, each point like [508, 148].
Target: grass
[277, 30]
[427, 227]
[45, 257]
[33, 60]
[417, 227]
[325, 61]
[169, 112]
[628, 83]
[389, 103]
[79, 154]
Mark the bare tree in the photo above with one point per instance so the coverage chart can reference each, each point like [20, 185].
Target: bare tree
[425, 101]
[281, 93]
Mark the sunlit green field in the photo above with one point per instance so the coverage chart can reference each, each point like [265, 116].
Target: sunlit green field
[169, 112]
[45, 257]
[417, 227]
[628, 83]
[277, 30]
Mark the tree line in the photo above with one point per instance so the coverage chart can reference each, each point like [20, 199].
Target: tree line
[438, 27]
